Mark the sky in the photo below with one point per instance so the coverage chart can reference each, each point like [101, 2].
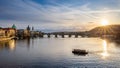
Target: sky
[58, 15]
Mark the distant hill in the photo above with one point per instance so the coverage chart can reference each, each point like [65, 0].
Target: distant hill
[105, 30]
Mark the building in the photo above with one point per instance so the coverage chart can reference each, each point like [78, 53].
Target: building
[8, 32]
[23, 33]
[28, 32]
[2, 33]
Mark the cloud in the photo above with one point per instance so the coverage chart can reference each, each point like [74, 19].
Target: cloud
[57, 16]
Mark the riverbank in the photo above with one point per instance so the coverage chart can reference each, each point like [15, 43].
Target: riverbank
[6, 38]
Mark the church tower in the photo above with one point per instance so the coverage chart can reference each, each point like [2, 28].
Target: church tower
[28, 28]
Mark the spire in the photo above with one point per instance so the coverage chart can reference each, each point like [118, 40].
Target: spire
[13, 26]
[32, 28]
[28, 28]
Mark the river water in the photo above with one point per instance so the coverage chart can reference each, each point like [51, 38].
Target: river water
[57, 53]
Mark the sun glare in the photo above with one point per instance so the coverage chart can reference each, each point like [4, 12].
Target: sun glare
[105, 52]
[104, 22]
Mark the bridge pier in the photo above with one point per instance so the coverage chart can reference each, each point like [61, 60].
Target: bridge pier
[48, 35]
[63, 36]
[76, 35]
[69, 35]
[56, 35]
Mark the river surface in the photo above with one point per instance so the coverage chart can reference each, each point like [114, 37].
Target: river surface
[57, 53]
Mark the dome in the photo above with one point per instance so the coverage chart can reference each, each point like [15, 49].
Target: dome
[13, 26]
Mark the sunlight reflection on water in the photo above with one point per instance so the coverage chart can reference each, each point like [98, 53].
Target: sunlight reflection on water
[50, 52]
[105, 53]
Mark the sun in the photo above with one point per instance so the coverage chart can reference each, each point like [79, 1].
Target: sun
[104, 22]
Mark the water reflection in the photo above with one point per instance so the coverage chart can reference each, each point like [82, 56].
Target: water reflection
[12, 44]
[105, 53]
[7, 44]
[25, 42]
[28, 42]
[57, 52]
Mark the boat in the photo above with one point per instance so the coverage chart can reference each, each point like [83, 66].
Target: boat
[79, 52]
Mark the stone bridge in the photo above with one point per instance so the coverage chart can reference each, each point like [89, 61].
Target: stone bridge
[62, 34]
